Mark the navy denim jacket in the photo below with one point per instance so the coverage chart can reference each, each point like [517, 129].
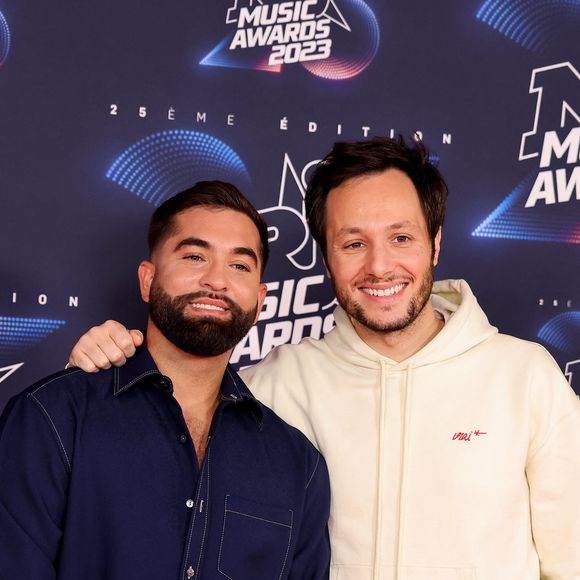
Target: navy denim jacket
[99, 480]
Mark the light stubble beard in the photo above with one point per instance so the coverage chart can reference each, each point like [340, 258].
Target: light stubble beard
[416, 305]
[199, 335]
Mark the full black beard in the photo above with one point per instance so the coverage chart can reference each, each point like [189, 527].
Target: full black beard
[198, 336]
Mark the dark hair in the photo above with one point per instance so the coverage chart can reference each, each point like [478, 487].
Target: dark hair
[347, 160]
[206, 194]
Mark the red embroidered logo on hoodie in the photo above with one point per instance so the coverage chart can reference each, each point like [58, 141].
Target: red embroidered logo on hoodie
[461, 436]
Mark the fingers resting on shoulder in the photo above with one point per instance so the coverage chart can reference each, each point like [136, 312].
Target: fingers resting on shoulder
[102, 346]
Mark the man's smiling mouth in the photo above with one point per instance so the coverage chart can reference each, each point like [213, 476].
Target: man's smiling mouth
[384, 291]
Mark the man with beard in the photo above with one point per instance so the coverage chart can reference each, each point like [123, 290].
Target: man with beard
[453, 450]
[169, 467]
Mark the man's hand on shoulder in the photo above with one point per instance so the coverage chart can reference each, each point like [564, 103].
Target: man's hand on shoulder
[105, 345]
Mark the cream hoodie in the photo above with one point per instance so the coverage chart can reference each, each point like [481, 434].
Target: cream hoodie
[460, 463]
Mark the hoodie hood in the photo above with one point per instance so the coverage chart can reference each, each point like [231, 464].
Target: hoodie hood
[466, 326]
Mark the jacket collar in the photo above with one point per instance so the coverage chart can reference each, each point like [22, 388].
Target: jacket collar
[141, 368]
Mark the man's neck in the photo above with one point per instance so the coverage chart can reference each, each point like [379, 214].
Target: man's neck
[196, 379]
[401, 344]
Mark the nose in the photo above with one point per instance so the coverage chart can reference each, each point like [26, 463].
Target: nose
[380, 261]
[214, 276]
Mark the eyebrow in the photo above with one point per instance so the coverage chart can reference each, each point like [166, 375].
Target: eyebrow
[198, 242]
[347, 230]
[192, 242]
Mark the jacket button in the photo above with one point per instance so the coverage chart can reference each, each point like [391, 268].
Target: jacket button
[182, 438]
[189, 503]
[190, 572]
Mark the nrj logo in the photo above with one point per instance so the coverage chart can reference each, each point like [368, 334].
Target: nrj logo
[330, 41]
[538, 208]
[287, 226]
[298, 304]
[555, 136]
[293, 30]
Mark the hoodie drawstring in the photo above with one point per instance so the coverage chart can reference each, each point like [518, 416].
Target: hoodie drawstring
[406, 418]
[403, 470]
[380, 462]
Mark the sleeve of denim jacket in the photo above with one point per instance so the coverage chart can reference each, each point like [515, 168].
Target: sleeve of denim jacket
[33, 488]
[312, 555]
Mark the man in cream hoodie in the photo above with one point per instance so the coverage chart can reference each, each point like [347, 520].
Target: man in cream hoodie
[453, 450]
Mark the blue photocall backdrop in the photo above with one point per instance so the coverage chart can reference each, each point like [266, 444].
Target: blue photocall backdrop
[106, 109]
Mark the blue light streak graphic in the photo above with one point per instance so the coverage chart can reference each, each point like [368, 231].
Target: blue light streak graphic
[562, 332]
[4, 39]
[529, 23]
[512, 220]
[17, 334]
[165, 163]
[346, 67]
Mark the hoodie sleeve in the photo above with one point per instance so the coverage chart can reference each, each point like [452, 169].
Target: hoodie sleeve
[553, 472]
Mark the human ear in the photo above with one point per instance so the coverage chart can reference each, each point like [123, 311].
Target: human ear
[261, 297]
[436, 247]
[146, 273]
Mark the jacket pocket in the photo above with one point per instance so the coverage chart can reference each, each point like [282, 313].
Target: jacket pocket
[255, 540]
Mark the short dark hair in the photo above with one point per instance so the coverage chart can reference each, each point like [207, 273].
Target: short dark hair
[354, 159]
[218, 194]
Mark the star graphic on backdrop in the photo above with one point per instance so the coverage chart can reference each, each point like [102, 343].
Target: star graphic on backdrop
[5, 372]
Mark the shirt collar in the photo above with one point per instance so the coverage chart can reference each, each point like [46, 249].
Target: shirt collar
[142, 368]
[234, 390]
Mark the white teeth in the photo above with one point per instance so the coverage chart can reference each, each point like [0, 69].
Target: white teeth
[387, 292]
[208, 307]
